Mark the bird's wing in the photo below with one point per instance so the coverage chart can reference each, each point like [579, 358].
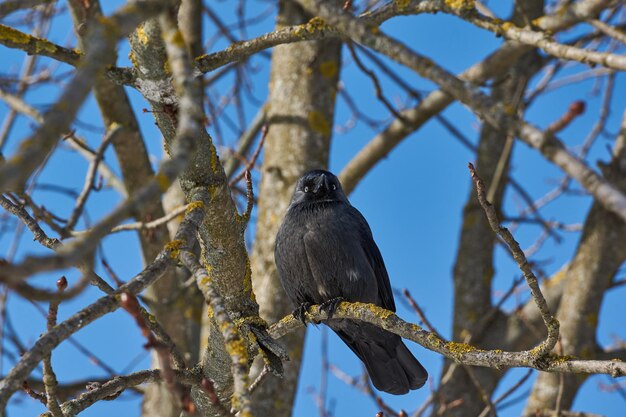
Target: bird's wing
[320, 257]
[375, 260]
[293, 267]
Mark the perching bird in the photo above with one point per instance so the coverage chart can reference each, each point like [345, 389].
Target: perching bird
[325, 253]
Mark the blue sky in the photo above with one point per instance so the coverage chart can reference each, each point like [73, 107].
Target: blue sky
[413, 201]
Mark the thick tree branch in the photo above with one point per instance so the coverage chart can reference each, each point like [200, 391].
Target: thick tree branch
[235, 345]
[466, 11]
[458, 352]
[13, 38]
[496, 63]
[496, 114]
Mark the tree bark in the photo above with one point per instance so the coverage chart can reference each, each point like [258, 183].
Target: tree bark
[303, 86]
[136, 170]
[221, 234]
[599, 255]
[473, 270]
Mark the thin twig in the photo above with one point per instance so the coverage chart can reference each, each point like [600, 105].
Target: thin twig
[518, 254]
[34, 394]
[231, 162]
[209, 389]
[508, 392]
[484, 395]
[259, 379]
[609, 30]
[377, 88]
[363, 386]
[253, 159]
[574, 110]
[131, 305]
[422, 409]
[49, 377]
[149, 225]
[420, 313]
[249, 198]
[90, 178]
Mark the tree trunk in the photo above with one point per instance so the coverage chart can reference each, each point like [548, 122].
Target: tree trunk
[301, 105]
[599, 255]
[473, 270]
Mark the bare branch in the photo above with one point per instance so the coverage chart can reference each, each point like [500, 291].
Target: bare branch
[16, 170]
[149, 225]
[49, 340]
[518, 254]
[235, 345]
[232, 162]
[13, 38]
[249, 198]
[49, 378]
[609, 30]
[252, 161]
[509, 391]
[119, 384]
[10, 6]
[91, 176]
[496, 114]
[575, 109]
[438, 100]
[459, 352]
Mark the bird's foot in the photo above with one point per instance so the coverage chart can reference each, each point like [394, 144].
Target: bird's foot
[331, 305]
[300, 312]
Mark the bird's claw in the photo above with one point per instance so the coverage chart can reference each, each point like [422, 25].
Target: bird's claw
[300, 312]
[331, 305]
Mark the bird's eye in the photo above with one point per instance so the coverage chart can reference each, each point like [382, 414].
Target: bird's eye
[334, 187]
[306, 189]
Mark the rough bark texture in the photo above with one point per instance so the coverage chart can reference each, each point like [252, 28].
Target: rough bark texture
[599, 255]
[177, 307]
[300, 117]
[473, 270]
[221, 234]
[167, 301]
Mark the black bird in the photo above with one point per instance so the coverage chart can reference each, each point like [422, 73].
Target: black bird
[325, 253]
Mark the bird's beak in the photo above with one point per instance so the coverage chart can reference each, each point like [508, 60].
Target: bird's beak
[322, 184]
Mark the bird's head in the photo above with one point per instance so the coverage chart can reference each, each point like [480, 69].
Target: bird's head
[318, 186]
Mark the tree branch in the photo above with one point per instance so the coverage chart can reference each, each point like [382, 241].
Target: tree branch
[16, 170]
[115, 386]
[49, 340]
[32, 45]
[518, 254]
[496, 114]
[459, 352]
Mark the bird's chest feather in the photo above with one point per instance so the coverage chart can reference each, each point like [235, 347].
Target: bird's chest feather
[336, 260]
[320, 255]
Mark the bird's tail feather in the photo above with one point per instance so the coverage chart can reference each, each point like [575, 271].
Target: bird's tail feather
[390, 365]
